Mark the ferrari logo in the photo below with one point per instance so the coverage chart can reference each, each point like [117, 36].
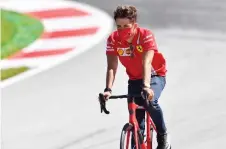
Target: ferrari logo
[139, 48]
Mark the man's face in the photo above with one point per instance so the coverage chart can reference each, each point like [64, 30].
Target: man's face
[123, 23]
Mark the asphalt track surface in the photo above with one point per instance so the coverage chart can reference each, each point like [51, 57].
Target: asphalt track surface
[59, 106]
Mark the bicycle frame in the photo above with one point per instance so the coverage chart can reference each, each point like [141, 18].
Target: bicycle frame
[132, 107]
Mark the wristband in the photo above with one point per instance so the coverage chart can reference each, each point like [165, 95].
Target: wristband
[146, 86]
[107, 90]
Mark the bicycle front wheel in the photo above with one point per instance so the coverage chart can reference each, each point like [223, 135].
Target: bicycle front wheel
[125, 139]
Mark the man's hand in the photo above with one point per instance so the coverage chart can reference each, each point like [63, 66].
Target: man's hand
[147, 93]
[107, 94]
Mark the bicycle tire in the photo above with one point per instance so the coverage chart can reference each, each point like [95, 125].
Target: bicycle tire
[128, 127]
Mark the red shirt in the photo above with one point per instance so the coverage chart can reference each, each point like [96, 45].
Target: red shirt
[144, 40]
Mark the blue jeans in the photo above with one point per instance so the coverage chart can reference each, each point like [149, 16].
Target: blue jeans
[157, 85]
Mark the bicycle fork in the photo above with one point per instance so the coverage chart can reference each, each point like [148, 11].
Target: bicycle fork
[149, 136]
[138, 137]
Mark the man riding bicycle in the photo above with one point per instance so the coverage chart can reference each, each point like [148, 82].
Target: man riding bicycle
[136, 49]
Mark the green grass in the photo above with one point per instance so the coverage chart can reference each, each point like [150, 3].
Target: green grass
[17, 32]
[7, 73]
[8, 30]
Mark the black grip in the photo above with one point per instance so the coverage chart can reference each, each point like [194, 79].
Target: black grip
[103, 104]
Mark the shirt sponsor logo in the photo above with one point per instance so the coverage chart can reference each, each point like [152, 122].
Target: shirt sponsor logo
[128, 51]
[120, 52]
[124, 51]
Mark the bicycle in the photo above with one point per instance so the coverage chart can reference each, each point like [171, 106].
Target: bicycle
[132, 125]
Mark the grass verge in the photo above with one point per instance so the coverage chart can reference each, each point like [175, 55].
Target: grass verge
[10, 72]
[17, 31]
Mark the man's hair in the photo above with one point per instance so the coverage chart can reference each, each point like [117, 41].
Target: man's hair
[126, 11]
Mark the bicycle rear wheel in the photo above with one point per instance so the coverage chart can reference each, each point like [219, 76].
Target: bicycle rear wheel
[125, 139]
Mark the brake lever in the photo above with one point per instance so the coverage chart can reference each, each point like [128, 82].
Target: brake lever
[103, 104]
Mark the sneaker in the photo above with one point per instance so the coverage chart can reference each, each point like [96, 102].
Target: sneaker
[163, 142]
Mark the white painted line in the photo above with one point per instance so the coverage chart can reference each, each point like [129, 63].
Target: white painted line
[59, 43]
[105, 29]
[75, 23]
[28, 62]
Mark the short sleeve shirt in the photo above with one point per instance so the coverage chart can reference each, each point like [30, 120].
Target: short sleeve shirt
[131, 58]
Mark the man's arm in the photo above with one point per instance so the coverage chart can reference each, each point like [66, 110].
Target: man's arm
[112, 65]
[147, 60]
[149, 48]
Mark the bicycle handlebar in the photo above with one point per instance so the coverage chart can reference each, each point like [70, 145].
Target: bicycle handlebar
[124, 96]
[103, 101]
